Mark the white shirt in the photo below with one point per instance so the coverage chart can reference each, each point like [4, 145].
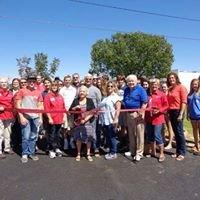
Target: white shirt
[68, 94]
[108, 105]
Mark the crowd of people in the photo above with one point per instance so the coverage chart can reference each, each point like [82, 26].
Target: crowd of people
[136, 116]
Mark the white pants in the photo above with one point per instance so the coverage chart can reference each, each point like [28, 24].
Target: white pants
[5, 132]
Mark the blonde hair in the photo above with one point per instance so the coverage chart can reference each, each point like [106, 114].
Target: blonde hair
[191, 89]
[152, 81]
[114, 86]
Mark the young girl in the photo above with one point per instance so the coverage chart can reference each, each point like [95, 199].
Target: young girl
[194, 112]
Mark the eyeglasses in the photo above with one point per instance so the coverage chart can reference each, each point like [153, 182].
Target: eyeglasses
[111, 86]
[31, 81]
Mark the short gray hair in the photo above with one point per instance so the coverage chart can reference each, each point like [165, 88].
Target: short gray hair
[131, 77]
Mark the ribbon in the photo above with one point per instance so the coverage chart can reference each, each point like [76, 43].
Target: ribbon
[94, 111]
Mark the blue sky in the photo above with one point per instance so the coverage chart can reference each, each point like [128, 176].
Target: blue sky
[73, 45]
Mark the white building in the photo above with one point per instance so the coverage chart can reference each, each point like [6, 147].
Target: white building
[186, 77]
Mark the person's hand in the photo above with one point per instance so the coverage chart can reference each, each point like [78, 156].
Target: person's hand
[155, 111]
[50, 121]
[115, 121]
[1, 108]
[180, 117]
[76, 107]
[40, 121]
[141, 114]
[82, 121]
[23, 121]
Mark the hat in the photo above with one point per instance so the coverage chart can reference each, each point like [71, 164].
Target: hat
[31, 77]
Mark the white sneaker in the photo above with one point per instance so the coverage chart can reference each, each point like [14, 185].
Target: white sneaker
[59, 153]
[110, 156]
[137, 158]
[52, 154]
[24, 159]
[128, 154]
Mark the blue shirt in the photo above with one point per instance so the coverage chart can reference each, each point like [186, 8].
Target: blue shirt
[194, 106]
[134, 98]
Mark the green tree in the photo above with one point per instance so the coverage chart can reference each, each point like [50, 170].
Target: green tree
[41, 65]
[23, 64]
[132, 53]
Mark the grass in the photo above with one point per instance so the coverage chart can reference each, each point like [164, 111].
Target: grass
[188, 129]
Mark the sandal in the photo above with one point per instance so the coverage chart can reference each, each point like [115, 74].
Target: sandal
[78, 158]
[161, 159]
[174, 155]
[194, 149]
[97, 155]
[196, 153]
[168, 147]
[180, 158]
[90, 159]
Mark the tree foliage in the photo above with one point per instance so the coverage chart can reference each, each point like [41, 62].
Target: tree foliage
[23, 64]
[41, 66]
[132, 53]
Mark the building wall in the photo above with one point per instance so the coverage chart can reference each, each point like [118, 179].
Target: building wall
[186, 77]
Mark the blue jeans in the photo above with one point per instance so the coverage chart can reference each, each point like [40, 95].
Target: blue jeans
[29, 136]
[110, 131]
[177, 127]
[154, 133]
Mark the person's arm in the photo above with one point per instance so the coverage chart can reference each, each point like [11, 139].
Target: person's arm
[47, 107]
[182, 110]
[41, 107]
[144, 101]
[183, 105]
[98, 96]
[142, 111]
[22, 119]
[117, 112]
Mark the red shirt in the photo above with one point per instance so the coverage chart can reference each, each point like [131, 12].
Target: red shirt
[159, 101]
[52, 102]
[29, 99]
[6, 101]
[176, 96]
[40, 87]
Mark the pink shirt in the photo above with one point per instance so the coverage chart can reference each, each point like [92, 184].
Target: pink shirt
[176, 96]
[159, 101]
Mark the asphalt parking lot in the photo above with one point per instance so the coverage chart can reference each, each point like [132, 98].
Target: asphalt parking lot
[120, 179]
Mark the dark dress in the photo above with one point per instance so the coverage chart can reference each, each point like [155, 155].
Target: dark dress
[83, 132]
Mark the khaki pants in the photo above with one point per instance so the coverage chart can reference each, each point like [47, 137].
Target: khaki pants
[135, 124]
[5, 132]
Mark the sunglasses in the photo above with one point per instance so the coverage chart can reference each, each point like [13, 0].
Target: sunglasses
[110, 86]
[23, 82]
